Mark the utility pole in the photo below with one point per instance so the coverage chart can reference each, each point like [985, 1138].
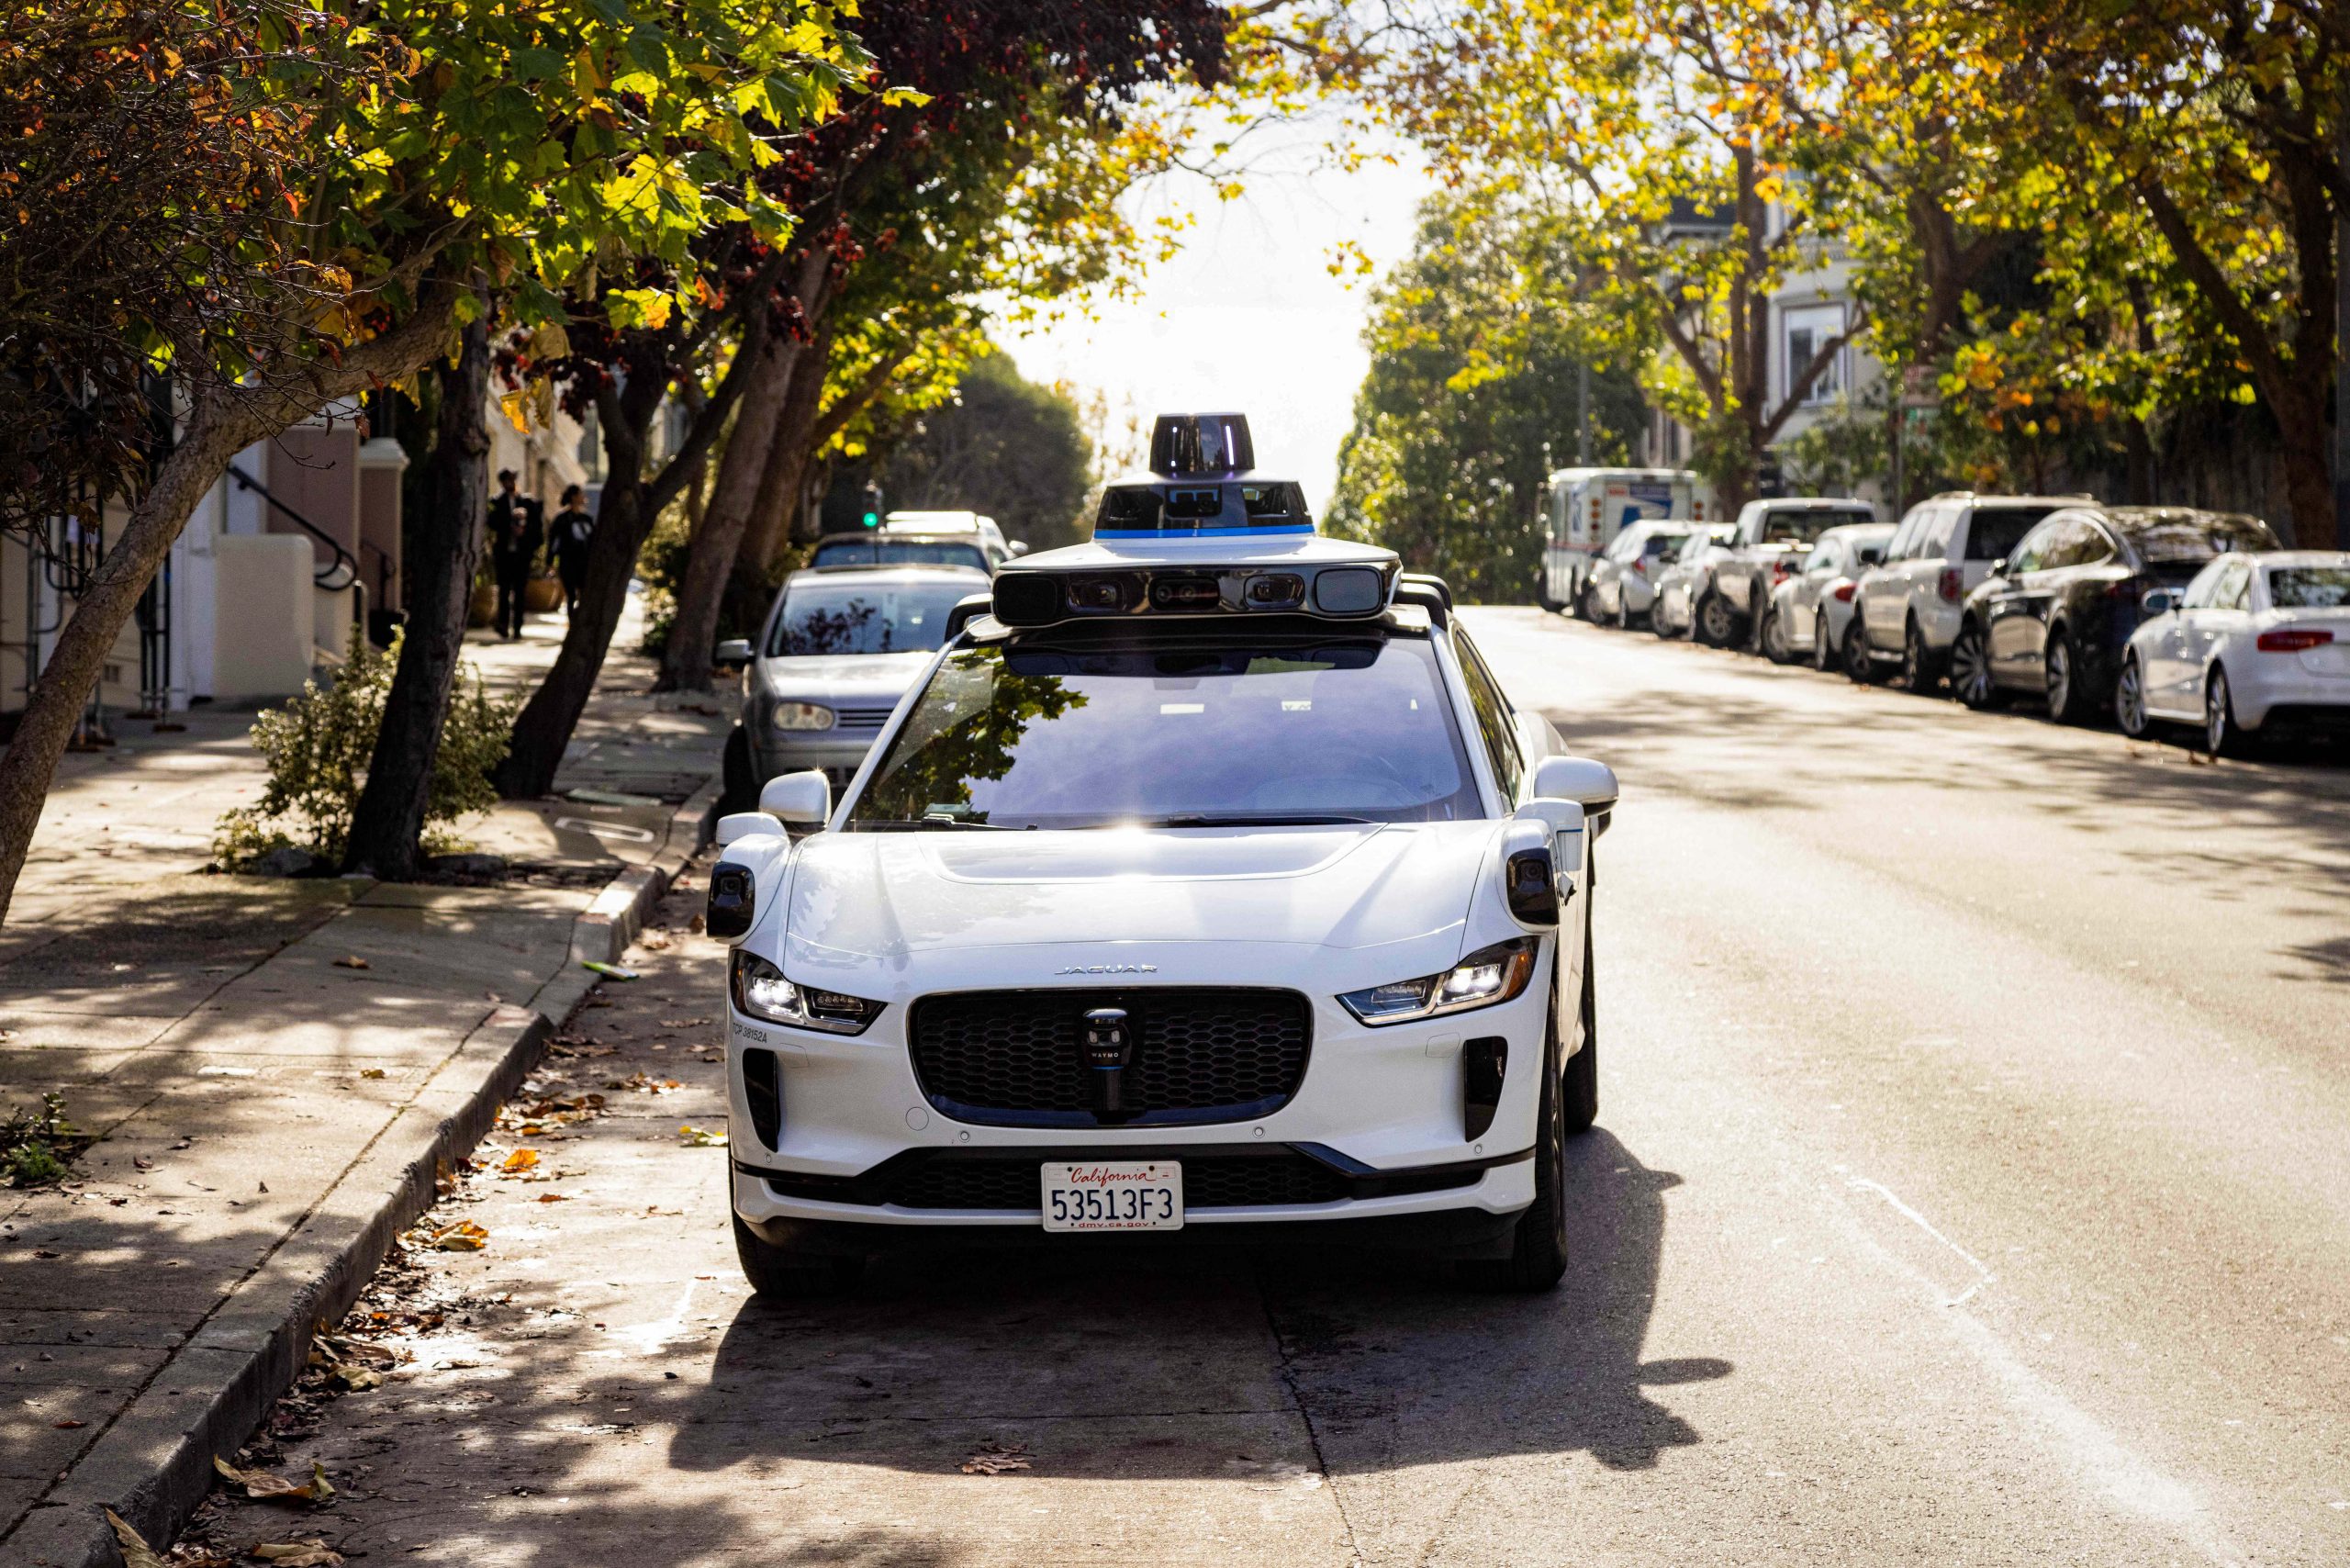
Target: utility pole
[2342, 324]
[1583, 410]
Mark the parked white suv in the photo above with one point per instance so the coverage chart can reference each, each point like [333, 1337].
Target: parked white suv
[1907, 610]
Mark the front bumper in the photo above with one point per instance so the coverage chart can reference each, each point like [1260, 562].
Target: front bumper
[1379, 1111]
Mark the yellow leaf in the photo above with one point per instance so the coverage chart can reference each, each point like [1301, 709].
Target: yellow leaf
[136, 1552]
[700, 1137]
[463, 1236]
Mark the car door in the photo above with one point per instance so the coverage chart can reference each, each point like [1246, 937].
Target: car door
[2228, 613]
[1496, 727]
[2164, 664]
[2016, 606]
[1823, 567]
[1884, 604]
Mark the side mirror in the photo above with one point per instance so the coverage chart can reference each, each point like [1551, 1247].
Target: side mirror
[1591, 785]
[1019, 546]
[2159, 601]
[1999, 568]
[733, 654]
[742, 825]
[801, 799]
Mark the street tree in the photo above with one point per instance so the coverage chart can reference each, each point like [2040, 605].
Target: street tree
[494, 145]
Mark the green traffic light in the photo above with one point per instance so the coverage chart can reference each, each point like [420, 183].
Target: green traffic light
[873, 519]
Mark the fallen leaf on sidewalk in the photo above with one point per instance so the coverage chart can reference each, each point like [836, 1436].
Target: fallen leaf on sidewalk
[308, 1553]
[463, 1236]
[358, 1380]
[142, 1161]
[136, 1552]
[263, 1487]
[994, 1458]
[371, 1072]
[645, 1083]
[521, 1159]
[68, 1426]
[683, 1023]
[697, 925]
[351, 961]
[554, 1197]
[656, 940]
[700, 1137]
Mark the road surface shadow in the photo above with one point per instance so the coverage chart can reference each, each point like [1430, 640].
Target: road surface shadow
[1390, 1360]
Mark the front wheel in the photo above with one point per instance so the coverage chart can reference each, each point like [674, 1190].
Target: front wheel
[2221, 734]
[1537, 1257]
[1775, 638]
[2130, 700]
[1713, 622]
[1970, 669]
[1918, 671]
[1582, 1096]
[1860, 665]
[2068, 695]
[1823, 647]
[739, 778]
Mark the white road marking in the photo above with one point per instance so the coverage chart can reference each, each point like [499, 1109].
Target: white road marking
[605, 830]
[1983, 1275]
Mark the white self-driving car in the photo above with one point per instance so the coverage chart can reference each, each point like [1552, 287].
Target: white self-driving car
[1206, 887]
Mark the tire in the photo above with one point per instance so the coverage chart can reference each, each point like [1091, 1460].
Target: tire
[777, 1275]
[1919, 671]
[1860, 665]
[1586, 608]
[2068, 695]
[1713, 623]
[1660, 624]
[1823, 648]
[1537, 1257]
[1580, 1099]
[1970, 670]
[741, 780]
[1542, 590]
[1773, 639]
[2221, 734]
[2130, 700]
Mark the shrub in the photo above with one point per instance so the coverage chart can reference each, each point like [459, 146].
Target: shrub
[317, 747]
[35, 1144]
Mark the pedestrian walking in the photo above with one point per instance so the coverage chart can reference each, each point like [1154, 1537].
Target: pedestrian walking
[517, 533]
[572, 526]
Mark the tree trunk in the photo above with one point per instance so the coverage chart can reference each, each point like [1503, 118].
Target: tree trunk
[223, 424]
[390, 820]
[2309, 475]
[797, 433]
[710, 554]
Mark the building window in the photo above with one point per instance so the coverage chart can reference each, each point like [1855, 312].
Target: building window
[1806, 329]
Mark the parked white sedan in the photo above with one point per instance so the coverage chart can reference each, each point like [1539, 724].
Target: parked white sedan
[1810, 609]
[2256, 642]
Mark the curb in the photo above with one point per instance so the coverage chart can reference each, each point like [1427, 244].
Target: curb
[154, 1464]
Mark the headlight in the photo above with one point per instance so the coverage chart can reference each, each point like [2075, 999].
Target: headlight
[761, 990]
[1488, 976]
[801, 716]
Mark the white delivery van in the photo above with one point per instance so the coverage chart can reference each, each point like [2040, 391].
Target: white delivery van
[1584, 509]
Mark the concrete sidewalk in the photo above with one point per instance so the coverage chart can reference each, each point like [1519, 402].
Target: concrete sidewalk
[275, 1070]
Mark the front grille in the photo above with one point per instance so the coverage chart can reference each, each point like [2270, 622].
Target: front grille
[861, 718]
[1012, 1058]
[1210, 1181]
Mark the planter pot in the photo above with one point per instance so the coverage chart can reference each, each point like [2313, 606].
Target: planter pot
[541, 595]
[484, 608]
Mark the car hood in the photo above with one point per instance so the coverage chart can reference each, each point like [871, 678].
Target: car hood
[828, 672]
[889, 896]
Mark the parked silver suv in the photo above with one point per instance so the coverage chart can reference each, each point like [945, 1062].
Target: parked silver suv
[1907, 610]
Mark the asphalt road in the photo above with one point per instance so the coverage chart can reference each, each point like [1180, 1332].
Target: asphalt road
[1972, 1185]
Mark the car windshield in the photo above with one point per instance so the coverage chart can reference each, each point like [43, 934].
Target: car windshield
[1663, 543]
[1996, 531]
[1072, 737]
[1806, 526]
[848, 615]
[2310, 588]
[899, 553]
[2189, 538]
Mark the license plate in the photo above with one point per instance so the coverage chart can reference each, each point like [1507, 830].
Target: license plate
[1127, 1196]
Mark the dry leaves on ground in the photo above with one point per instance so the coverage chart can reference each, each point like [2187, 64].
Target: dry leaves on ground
[136, 1552]
[645, 1083]
[519, 1161]
[351, 961]
[371, 1072]
[536, 1119]
[263, 1487]
[994, 1458]
[683, 1023]
[702, 1137]
[653, 940]
[310, 1552]
[463, 1236]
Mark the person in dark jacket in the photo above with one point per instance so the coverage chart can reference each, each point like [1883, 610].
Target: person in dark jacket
[570, 530]
[517, 533]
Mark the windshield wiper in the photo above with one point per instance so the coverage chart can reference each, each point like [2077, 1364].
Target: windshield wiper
[925, 824]
[1199, 819]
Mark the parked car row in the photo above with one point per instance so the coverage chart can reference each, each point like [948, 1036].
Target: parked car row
[2150, 615]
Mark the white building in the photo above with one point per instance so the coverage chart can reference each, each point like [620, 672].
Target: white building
[301, 541]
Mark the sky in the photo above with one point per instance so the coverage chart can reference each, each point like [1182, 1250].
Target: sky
[1248, 317]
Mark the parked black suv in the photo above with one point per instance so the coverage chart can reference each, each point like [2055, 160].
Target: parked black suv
[2054, 616]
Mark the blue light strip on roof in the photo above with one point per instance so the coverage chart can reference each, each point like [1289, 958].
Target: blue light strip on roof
[1202, 533]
